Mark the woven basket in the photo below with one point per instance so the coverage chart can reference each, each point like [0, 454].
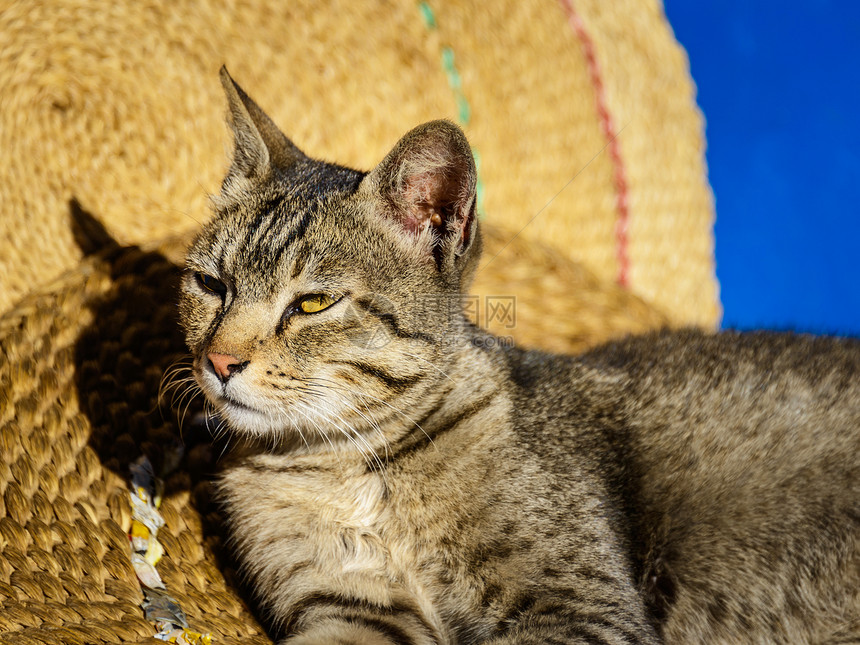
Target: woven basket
[583, 119]
[596, 212]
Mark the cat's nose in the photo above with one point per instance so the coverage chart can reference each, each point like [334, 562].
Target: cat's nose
[226, 365]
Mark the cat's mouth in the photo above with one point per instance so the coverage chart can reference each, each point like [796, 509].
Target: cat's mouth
[238, 415]
[225, 400]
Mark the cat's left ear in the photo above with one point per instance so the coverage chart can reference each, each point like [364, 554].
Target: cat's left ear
[261, 149]
[427, 184]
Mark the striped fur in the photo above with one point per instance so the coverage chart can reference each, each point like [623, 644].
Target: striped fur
[395, 479]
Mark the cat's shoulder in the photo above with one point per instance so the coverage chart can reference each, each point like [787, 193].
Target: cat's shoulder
[670, 358]
[696, 351]
[656, 385]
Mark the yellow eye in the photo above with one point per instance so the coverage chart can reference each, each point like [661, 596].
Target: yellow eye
[213, 285]
[316, 302]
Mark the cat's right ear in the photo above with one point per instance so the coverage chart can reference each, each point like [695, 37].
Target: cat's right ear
[261, 149]
[427, 185]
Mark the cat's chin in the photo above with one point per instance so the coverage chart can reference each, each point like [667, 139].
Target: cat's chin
[249, 422]
[231, 410]
[241, 418]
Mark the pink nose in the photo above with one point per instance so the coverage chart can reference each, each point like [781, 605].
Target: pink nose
[226, 365]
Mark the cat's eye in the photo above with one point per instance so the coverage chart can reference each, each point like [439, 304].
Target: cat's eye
[210, 284]
[315, 302]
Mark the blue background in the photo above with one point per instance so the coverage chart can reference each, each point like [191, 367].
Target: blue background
[779, 84]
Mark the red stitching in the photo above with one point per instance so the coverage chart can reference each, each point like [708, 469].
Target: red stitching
[607, 126]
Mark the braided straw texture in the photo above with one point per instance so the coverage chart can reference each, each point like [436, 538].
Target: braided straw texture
[80, 367]
[583, 116]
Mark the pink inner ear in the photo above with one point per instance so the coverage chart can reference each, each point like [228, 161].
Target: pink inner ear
[426, 202]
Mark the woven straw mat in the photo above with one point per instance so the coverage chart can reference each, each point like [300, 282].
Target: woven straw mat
[118, 107]
[581, 112]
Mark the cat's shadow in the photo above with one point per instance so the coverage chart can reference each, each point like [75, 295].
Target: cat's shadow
[121, 359]
[122, 356]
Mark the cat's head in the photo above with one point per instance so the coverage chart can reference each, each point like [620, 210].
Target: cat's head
[319, 294]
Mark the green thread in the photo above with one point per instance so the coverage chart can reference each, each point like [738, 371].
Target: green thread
[464, 112]
[451, 69]
[427, 14]
[455, 82]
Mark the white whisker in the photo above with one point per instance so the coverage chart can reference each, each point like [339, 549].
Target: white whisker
[397, 410]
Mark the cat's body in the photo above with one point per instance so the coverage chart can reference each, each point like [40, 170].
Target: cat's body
[398, 479]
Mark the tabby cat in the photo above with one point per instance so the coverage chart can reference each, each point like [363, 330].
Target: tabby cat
[396, 478]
